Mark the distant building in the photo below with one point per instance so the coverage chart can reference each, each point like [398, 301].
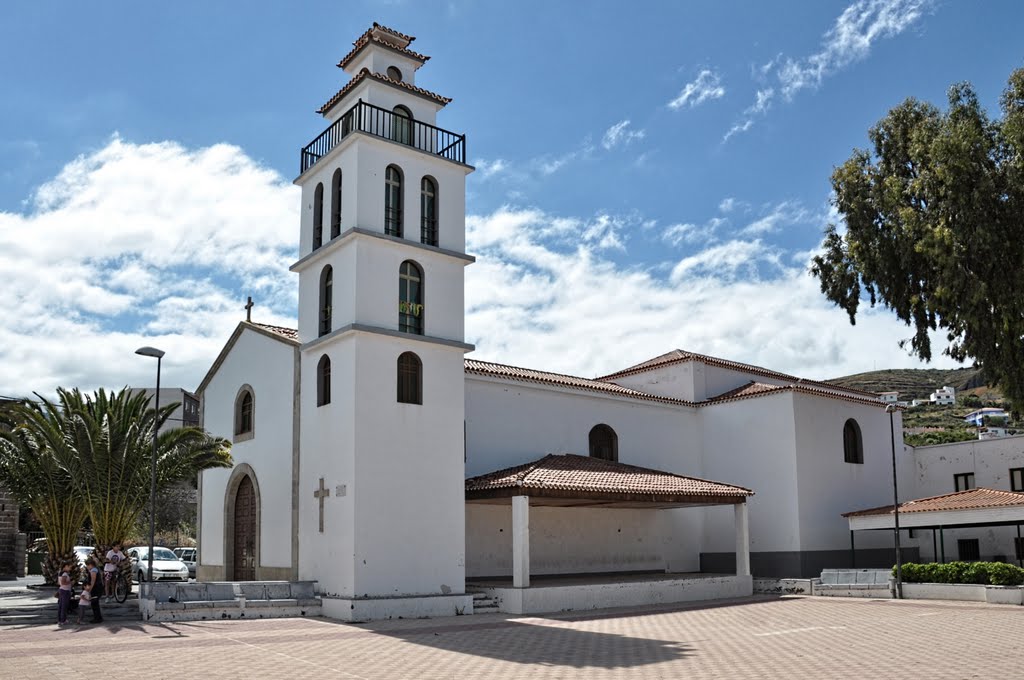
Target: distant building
[187, 415]
[889, 397]
[944, 396]
[978, 417]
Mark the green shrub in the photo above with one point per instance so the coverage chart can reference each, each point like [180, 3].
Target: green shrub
[984, 573]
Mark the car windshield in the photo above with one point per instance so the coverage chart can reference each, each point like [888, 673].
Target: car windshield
[163, 554]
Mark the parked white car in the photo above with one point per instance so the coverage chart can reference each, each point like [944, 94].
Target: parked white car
[166, 565]
[188, 556]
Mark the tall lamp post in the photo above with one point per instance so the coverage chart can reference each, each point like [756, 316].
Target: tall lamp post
[891, 408]
[159, 355]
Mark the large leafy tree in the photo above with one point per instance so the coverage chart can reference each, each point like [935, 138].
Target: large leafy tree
[94, 452]
[934, 217]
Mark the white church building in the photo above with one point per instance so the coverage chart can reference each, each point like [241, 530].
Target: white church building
[373, 456]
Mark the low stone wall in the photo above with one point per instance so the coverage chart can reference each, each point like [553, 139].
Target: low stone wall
[228, 600]
[964, 592]
[784, 586]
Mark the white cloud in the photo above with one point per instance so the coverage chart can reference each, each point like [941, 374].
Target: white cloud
[849, 40]
[537, 298]
[706, 87]
[738, 128]
[488, 168]
[619, 134]
[157, 244]
[687, 232]
[727, 204]
[141, 244]
[777, 216]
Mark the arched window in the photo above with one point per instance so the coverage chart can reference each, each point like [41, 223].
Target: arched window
[853, 444]
[326, 299]
[244, 403]
[318, 216]
[393, 201]
[428, 212]
[323, 381]
[604, 443]
[410, 379]
[401, 125]
[336, 204]
[410, 298]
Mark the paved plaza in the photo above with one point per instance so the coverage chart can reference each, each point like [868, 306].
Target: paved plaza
[759, 637]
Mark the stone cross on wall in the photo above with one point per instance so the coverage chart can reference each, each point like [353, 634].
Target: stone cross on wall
[320, 494]
[248, 309]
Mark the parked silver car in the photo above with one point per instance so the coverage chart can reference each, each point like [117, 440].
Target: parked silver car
[166, 565]
[189, 556]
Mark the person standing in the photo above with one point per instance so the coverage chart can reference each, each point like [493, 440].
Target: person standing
[95, 589]
[64, 594]
[114, 558]
[84, 601]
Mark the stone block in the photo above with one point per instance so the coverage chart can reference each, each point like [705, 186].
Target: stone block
[278, 591]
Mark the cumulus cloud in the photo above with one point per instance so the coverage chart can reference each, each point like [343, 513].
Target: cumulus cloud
[620, 134]
[537, 297]
[706, 87]
[488, 168]
[141, 244]
[786, 213]
[158, 244]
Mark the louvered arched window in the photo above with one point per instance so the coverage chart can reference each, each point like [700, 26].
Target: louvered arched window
[853, 445]
[428, 211]
[336, 204]
[604, 443]
[393, 201]
[326, 300]
[323, 381]
[410, 379]
[410, 298]
[318, 216]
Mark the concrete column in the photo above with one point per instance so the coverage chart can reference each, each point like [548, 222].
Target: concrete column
[520, 541]
[742, 540]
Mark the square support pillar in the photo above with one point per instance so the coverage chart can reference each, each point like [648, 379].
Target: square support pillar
[742, 540]
[520, 541]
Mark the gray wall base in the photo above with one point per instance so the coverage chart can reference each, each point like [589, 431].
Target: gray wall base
[804, 563]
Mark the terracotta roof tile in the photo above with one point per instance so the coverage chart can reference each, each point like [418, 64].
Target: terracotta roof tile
[972, 499]
[367, 38]
[403, 36]
[529, 375]
[749, 390]
[679, 356]
[289, 333]
[365, 73]
[570, 472]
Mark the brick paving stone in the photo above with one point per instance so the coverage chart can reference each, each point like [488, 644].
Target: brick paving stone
[760, 637]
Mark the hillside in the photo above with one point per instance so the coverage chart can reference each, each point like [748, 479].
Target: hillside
[918, 383]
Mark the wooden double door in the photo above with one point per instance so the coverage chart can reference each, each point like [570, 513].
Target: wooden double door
[246, 515]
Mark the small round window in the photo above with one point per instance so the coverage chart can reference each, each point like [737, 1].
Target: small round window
[394, 74]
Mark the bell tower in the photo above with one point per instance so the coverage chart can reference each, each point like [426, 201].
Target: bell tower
[381, 322]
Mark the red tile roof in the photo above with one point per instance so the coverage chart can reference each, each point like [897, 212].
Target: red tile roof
[368, 38]
[972, 499]
[289, 333]
[366, 73]
[582, 475]
[677, 356]
[487, 368]
[402, 36]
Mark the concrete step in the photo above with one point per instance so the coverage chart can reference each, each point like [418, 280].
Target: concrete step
[47, 615]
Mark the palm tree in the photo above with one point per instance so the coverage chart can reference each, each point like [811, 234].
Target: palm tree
[90, 455]
[113, 436]
[33, 447]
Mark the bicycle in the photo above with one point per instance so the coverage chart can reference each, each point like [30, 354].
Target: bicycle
[117, 585]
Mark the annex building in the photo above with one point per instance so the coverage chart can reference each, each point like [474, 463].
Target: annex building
[375, 455]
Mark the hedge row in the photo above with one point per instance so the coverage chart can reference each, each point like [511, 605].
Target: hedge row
[984, 573]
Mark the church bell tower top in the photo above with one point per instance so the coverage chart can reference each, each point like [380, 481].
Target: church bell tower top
[385, 43]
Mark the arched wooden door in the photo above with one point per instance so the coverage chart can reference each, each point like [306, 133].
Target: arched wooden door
[245, 531]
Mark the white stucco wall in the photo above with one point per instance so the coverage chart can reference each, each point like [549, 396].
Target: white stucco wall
[828, 486]
[752, 443]
[268, 452]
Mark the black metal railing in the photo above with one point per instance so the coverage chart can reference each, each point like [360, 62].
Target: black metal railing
[364, 117]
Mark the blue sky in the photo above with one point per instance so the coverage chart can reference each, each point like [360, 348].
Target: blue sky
[646, 179]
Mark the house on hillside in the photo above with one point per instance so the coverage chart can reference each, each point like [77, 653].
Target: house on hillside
[978, 417]
[944, 396]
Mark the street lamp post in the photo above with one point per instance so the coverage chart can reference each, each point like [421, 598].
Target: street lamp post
[159, 355]
[891, 408]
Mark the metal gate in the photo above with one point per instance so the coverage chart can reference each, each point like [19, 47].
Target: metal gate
[245, 531]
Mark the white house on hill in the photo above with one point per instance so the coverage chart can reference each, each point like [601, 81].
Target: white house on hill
[373, 456]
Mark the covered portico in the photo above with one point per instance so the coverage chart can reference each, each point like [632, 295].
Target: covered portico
[572, 481]
[974, 508]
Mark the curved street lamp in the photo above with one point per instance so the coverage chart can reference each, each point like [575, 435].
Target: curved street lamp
[158, 354]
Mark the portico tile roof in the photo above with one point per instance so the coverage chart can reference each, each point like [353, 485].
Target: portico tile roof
[366, 73]
[368, 38]
[574, 473]
[973, 499]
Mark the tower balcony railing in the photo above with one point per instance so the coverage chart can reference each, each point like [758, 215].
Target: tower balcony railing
[365, 117]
